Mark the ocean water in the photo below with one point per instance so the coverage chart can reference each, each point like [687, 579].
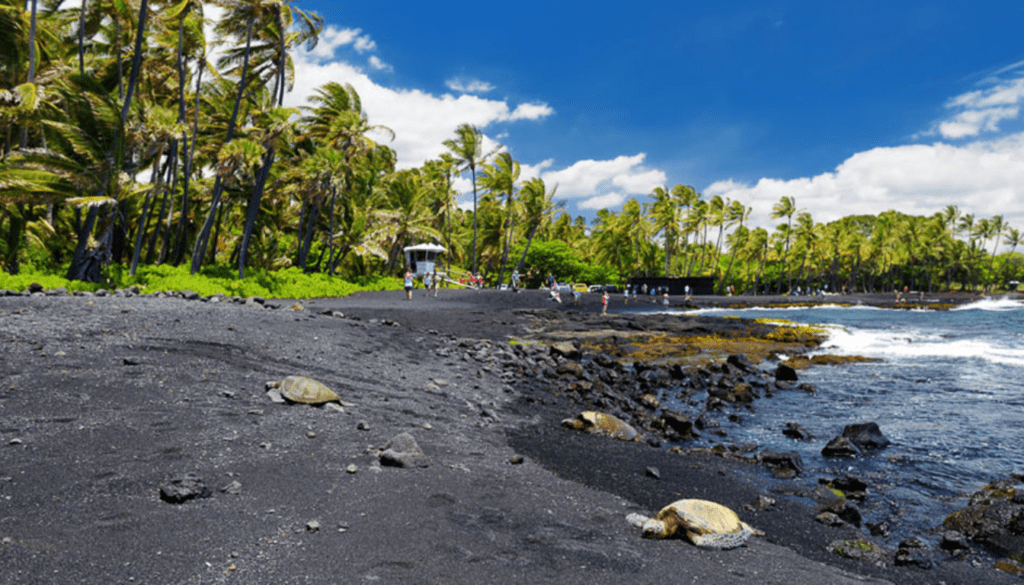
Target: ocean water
[948, 392]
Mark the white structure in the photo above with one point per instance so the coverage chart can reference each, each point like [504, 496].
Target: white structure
[421, 258]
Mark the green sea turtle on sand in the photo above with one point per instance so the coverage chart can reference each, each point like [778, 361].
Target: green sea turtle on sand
[302, 389]
[601, 423]
[706, 524]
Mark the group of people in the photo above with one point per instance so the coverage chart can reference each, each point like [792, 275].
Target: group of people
[431, 281]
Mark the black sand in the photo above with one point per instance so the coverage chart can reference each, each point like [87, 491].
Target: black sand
[103, 400]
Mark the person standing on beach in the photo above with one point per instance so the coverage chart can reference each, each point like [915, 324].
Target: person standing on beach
[604, 302]
[625, 295]
[436, 283]
[408, 285]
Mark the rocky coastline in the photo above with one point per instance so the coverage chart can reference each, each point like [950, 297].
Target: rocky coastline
[469, 390]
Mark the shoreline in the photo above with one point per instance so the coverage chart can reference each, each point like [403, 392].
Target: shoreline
[470, 516]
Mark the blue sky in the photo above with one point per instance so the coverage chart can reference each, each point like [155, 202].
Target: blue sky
[850, 107]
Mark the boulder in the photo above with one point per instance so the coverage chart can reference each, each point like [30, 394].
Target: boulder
[784, 465]
[679, 424]
[866, 436]
[840, 447]
[994, 516]
[913, 553]
[784, 373]
[403, 451]
[182, 489]
[795, 431]
[565, 349]
[740, 362]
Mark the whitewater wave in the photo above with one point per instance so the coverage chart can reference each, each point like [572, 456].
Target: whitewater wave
[1000, 304]
[915, 344]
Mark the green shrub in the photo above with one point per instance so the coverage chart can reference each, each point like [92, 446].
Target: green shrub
[289, 283]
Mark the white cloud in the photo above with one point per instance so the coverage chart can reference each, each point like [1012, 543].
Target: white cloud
[531, 112]
[985, 178]
[589, 178]
[983, 110]
[379, 65]
[469, 86]
[972, 122]
[421, 121]
[606, 201]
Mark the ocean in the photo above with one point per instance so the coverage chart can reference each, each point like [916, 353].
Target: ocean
[947, 393]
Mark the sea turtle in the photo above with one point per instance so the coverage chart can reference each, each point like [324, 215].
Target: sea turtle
[705, 524]
[302, 389]
[601, 423]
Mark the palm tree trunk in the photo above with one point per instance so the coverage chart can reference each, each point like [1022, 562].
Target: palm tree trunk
[218, 185]
[77, 269]
[529, 240]
[330, 236]
[166, 226]
[254, 209]
[472, 170]
[81, 38]
[140, 231]
[180, 241]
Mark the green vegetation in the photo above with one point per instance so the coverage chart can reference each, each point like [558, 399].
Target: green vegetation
[126, 147]
[289, 283]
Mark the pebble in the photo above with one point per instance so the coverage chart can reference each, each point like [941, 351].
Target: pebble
[352, 468]
[15, 441]
[516, 459]
[312, 526]
[310, 434]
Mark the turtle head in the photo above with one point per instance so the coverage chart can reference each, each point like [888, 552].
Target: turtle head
[650, 527]
[654, 529]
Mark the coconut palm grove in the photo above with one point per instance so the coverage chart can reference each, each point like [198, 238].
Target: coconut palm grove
[135, 154]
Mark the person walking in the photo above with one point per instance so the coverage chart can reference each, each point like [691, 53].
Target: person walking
[604, 302]
[408, 285]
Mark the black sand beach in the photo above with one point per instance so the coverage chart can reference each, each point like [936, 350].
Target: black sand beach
[106, 399]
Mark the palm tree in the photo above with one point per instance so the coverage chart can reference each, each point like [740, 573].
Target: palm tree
[467, 148]
[786, 207]
[998, 228]
[539, 206]
[500, 178]
[407, 217]
[276, 127]
[736, 213]
[664, 215]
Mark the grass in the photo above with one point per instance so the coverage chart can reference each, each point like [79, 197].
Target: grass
[290, 283]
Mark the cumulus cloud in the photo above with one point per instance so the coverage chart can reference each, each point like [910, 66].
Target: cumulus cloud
[332, 37]
[984, 177]
[469, 86]
[606, 201]
[420, 120]
[593, 179]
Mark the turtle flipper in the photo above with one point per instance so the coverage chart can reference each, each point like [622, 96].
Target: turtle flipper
[724, 540]
[751, 530]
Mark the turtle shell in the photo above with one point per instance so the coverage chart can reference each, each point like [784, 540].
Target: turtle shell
[704, 523]
[601, 423]
[306, 390]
